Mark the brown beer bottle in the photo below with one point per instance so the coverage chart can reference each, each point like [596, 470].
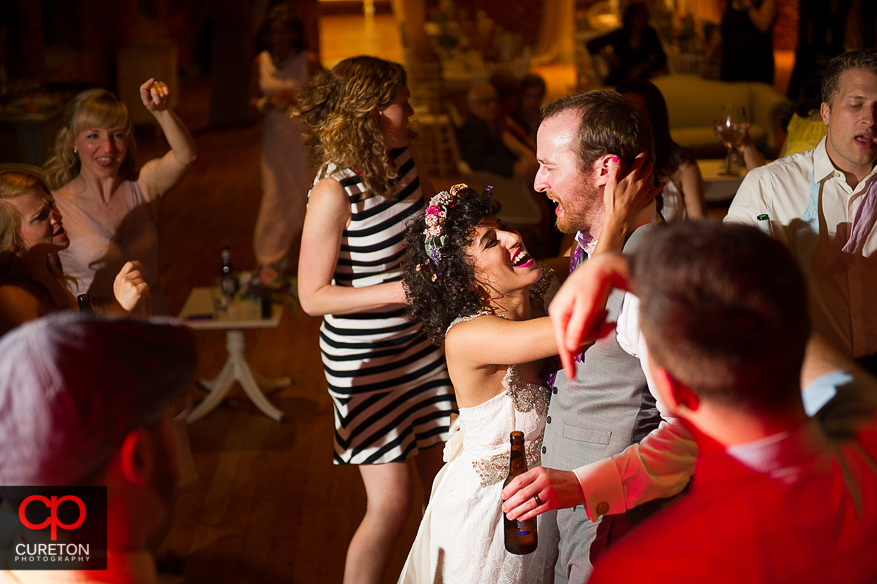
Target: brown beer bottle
[85, 304]
[520, 536]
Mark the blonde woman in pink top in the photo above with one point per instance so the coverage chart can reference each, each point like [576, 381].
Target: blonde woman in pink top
[109, 207]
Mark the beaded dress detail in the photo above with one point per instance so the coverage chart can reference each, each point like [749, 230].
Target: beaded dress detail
[461, 539]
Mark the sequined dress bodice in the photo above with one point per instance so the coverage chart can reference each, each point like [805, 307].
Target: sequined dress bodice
[485, 428]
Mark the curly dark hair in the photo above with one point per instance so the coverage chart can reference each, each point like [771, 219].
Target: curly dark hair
[336, 109]
[435, 304]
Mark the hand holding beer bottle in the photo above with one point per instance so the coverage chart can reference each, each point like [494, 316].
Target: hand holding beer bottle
[520, 536]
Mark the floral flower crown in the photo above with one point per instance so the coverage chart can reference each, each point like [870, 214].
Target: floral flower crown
[435, 215]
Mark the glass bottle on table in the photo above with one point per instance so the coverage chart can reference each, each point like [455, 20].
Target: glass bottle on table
[228, 282]
[731, 126]
[520, 536]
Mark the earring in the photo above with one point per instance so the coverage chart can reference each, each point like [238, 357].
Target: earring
[75, 151]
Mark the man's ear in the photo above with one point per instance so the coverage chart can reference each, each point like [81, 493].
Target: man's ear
[601, 169]
[824, 110]
[136, 457]
[678, 396]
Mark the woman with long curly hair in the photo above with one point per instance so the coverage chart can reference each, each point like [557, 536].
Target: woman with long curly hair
[389, 385]
[110, 208]
[32, 233]
[469, 281]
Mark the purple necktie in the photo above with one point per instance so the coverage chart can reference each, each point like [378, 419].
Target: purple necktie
[578, 255]
[863, 221]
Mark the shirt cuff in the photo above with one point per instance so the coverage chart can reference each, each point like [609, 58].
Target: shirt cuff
[602, 488]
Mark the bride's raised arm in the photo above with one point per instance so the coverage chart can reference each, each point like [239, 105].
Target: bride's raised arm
[492, 340]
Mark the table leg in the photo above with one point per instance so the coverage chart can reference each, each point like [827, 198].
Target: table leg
[219, 388]
[237, 369]
[245, 376]
[261, 381]
[208, 383]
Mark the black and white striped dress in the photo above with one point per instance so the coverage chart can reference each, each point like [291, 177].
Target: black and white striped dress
[389, 385]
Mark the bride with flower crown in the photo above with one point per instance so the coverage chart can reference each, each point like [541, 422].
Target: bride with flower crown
[472, 284]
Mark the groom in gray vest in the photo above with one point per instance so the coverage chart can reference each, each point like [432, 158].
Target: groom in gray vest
[596, 421]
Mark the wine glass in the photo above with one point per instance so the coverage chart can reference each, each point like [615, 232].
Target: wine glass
[731, 127]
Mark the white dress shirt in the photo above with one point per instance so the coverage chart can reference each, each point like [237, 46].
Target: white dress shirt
[840, 284]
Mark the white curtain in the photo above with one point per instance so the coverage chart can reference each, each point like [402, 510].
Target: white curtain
[555, 42]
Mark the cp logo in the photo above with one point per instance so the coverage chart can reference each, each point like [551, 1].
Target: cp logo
[52, 504]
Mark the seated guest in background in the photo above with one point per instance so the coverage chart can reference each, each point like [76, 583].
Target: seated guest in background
[820, 205]
[633, 51]
[484, 147]
[776, 497]
[529, 111]
[508, 92]
[110, 208]
[88, 402]
[32, 283]
[682, 197]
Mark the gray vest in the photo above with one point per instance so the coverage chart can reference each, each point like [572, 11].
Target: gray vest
[608, 407]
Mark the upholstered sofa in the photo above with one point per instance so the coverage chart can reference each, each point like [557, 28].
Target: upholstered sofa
[693, 104]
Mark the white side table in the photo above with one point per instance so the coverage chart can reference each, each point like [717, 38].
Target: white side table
[719, 187]
[198, 314]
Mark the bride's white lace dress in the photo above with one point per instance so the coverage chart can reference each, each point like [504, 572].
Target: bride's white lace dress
[460, 539]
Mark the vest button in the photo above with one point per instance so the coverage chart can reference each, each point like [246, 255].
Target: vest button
[544, 450]
[554, 390]
[548, 420]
